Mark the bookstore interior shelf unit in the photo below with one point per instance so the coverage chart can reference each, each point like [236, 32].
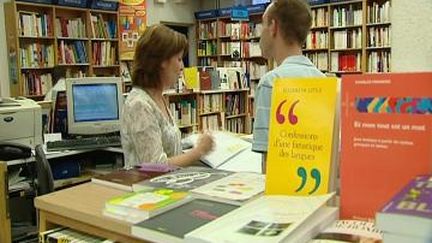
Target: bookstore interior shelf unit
[210, 110]
[42, 36]
[222, 42]
[350, 36]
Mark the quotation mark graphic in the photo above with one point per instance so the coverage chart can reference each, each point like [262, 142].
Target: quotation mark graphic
[292, 118]
[301, 172]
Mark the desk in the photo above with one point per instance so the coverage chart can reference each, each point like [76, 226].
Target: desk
[60, 154]
[80, 208]
[5, 223]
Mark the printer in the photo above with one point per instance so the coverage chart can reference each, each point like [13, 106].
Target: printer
[20, 121]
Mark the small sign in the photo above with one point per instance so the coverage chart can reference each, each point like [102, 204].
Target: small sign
[239, 13]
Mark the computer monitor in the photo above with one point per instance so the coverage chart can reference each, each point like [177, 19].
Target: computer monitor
[94, 105]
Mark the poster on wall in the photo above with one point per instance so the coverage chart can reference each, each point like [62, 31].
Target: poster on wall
[301, 136]
[386, 138]
[133, 21]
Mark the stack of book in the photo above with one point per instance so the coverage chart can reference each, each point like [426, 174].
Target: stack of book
[407, 217]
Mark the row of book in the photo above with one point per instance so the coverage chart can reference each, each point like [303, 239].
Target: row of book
[345, 62]
[210, 78]
[256, 70]
[207, 61]
[320, 17]
[228, 29]
[230, 48]
[250, 49]
[211, 122]
[379, 61]
[233, 30]
[37, 55]
[319, 59]
[207, 48]
[104, 53]
[211, 103]
[103, 29]
[344, 39]
[72, 52]
[235, 125]
[207, 30]
[379, 37]
[347, 16]
[317, 40]
[379, 13]
[34, 24]
[184, 112]
[70, 27]
[234, 104]
[36, 83]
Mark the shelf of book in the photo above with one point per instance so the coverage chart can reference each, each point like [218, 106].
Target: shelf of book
[62, 36]
[344, 27]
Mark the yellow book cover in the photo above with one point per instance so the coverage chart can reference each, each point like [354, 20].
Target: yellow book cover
[191, 78]
[300, 136]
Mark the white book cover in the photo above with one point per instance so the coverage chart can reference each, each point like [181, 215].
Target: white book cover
[226, 146]
[266, 219]
[246, 161]
[235, 189]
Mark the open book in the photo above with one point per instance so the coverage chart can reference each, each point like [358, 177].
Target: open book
[226, 146]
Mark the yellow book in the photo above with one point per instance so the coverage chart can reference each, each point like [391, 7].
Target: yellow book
[300, 136]
[191, 78]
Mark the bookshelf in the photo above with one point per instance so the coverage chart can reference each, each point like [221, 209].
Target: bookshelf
[350, 36]
[41, 36]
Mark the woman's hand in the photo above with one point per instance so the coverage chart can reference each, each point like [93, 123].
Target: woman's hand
[205, 144]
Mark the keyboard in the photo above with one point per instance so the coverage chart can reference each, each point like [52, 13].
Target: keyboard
[84, 143]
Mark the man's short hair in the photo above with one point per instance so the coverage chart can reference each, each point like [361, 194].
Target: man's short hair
[293, 17]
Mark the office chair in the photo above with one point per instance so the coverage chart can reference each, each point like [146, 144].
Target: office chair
[45, 181]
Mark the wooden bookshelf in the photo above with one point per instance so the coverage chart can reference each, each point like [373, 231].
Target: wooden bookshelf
[337, 22]
[61, 36]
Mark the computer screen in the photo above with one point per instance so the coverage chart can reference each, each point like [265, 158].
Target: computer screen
[94, 105]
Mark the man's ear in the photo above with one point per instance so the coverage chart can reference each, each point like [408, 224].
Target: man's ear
[273, 27]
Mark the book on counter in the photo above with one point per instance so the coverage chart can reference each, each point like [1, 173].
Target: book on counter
[349, 231]
[184, 179]
[226, 147]
[123, 179]
[138, 206]
[409, 212]
[172, 225]
[238, 188]
[270, 218]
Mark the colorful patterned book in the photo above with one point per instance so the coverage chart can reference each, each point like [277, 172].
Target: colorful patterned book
[184, 179]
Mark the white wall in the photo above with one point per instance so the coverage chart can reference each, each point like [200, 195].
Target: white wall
[4, 71]
[411, 35]
[172, 12]
[176, 13]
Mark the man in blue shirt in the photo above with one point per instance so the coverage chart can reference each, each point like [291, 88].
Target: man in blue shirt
[286, 24]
